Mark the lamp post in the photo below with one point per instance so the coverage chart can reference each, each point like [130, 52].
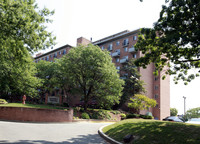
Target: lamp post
[184, 104]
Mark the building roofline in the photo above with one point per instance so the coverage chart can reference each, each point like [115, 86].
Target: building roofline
[114, 36]
[52, 51]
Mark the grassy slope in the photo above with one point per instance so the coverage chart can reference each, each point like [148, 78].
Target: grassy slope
[31, 106]
[155, 132]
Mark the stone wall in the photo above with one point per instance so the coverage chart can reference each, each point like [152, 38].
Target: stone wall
[35, 115]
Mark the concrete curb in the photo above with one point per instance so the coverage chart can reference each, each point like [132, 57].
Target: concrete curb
[93, 120]
[107, 138]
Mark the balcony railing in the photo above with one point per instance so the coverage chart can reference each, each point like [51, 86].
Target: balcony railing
[131, 49]
[115, 54]
[123, 60]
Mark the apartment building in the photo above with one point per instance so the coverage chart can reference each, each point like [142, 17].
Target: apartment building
[56, 53]
[121, 48]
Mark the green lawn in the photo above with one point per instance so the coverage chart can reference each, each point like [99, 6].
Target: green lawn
[155, 132]
[32, 106]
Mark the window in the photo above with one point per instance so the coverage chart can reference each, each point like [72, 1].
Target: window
[117, 60]
[155, 78]
[64, 51]
[117, 43]
[55, 54]
[134, 37]
[125, 43]
[125, 49]
[156, 96]
[156, 87]
[51, 56]
[42, 58]
[102, 48]
[134, 56]
[110, 47]
[59, 52]
[47, 58]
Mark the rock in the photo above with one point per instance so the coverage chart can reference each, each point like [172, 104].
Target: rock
[128, 138]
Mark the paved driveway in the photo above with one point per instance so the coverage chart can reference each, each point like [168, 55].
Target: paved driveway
[50, 133]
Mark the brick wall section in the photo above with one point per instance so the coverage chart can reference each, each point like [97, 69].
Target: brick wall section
[35, 115]
[165, 98]
[82, 41]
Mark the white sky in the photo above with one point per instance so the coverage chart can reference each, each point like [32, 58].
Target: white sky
[101, 18]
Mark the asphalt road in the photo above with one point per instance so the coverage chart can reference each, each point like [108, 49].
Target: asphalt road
[50, 133]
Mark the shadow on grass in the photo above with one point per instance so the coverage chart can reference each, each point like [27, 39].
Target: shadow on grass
[82, 139]
[155, 132]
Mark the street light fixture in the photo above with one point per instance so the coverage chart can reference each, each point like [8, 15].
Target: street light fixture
[184, 104]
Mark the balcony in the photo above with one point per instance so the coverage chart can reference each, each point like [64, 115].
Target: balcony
[115, 54]
[131, 50]
[123, 60]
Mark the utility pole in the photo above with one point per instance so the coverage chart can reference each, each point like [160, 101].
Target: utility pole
[184, 104]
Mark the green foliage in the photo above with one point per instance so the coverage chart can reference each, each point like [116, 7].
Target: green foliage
[115, 112]
[47, 73]
[85, 115]
[146, 117]
[123, 116]
[3, 101]
[133, 84]
[193, 113]
[100, 114]
[173, 43]
[173, 111]
[23, 31]
[132, 116]
[141, 102]
[90, 71]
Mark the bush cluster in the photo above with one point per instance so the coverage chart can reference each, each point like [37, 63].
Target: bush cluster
[132, 116]
[123, 116]
[101, 114]
[85, 115]
[3, 101]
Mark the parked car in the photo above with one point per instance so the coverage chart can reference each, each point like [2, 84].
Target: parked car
[173, 119]
[193, 121]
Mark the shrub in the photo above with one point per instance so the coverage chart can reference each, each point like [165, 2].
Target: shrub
[82, 110]
[123, 116]
[3, 101]
[85, 115]
[132, 116]
[94, 115]
[146, 116]
[115, 112]
[102, 114]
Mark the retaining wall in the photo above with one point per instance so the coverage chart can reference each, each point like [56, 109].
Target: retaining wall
[35, 115]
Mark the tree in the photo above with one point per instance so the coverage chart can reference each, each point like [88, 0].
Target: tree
[133, 85]
[174, 41]
[193, 113]
[46, 72]
[173, 111]
[23, 31]
[141, 102]
[91, 72]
